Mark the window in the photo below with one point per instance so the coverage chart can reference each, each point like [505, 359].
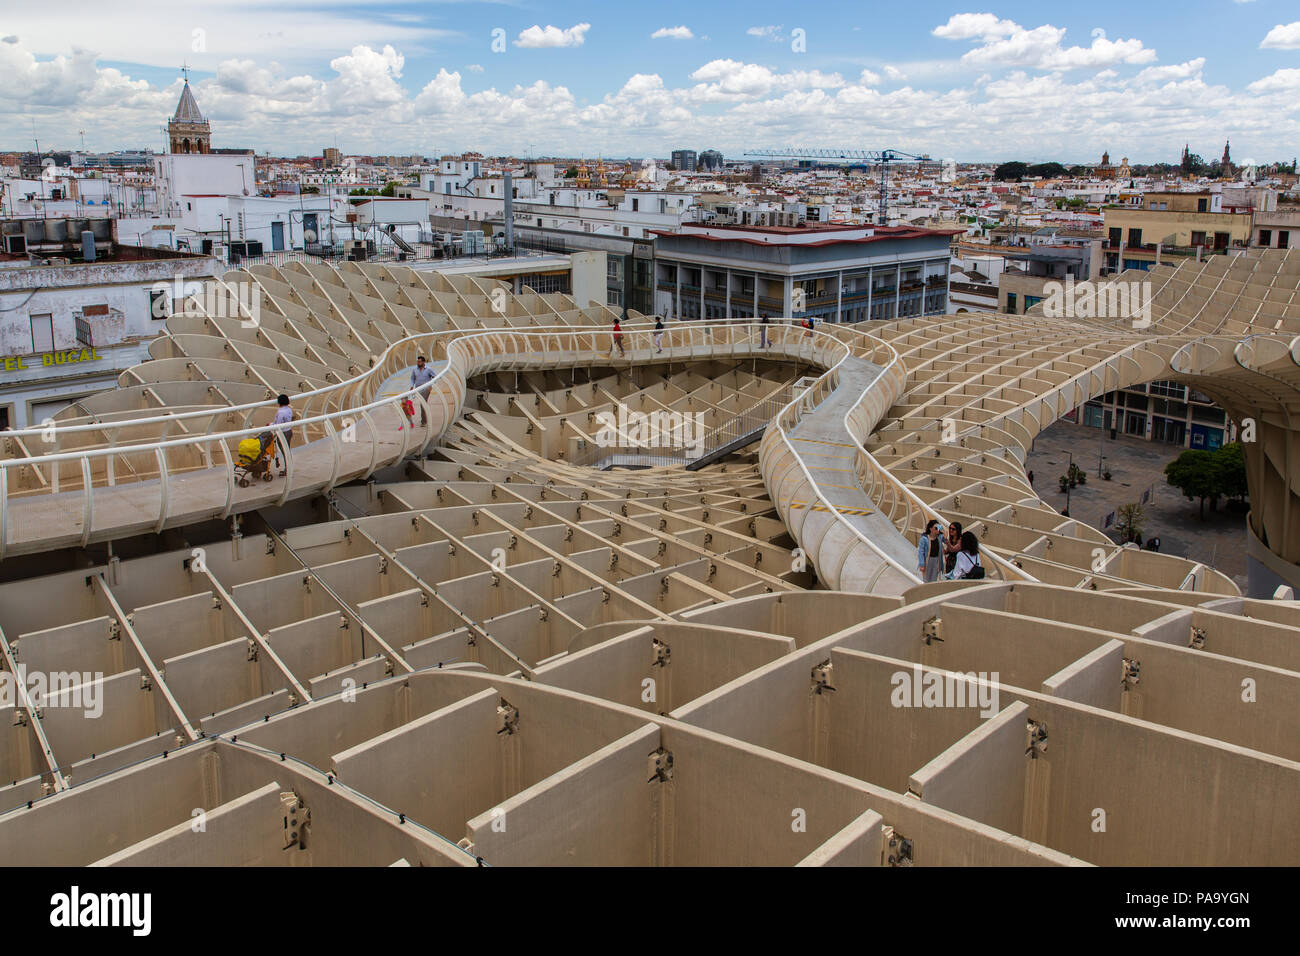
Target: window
[1011, 303]
[1283, 238]
[1135, 237]
[42, 333]
[1202, 205]
[1266, 237]
[1198, 238]
[635, 205]
[1116, 236]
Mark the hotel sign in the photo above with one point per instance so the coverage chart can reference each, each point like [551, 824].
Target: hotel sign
[19, 363]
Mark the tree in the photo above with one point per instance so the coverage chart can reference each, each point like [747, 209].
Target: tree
[1046, 170]
[1129, 522]
[1008, 171]
[1232, 471]
[571, 172]
[1197, 474]
[1192, 165]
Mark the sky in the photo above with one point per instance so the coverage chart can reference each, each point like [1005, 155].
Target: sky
[974, 81]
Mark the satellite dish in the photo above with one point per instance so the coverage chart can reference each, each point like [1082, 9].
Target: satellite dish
[310, 235]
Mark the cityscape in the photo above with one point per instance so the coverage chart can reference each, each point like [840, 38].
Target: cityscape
[476, 435]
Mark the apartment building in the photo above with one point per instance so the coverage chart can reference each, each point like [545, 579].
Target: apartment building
[1172, 224]
[75, 313]
[832, 273]
[1166, 412]
[1023, 282]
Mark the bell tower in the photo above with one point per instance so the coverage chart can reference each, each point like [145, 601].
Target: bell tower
[187, 130]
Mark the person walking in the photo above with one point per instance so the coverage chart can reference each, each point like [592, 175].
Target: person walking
[659, 333]
[968, 566]
[422, 375]
[618, 340]
[929, 553]
[284, 436]
[762, 331]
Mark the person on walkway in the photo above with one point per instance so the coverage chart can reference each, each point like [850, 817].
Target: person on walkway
[929, 553]
[951, 545]
[283, 416]
[1154, 543]
[968, 566]
[1031, 476]
[762, 331]
[659, 333]
[422, 375]
[618, 340]
[808, 324]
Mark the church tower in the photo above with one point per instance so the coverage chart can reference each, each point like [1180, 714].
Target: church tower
[187, 130]
[1226, 162]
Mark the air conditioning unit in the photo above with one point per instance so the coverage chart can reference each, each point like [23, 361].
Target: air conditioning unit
[16, 245]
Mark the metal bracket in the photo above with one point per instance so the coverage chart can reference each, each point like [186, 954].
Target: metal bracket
[930, 630]
[1037, 739]
[114, 631]
[662, 653]
[383, 565]
[252, 649]
[507, 718]
[1198, 639]
[297, 818]
[660, 766]
[898, 848]
[1131, 670]
[821, 677]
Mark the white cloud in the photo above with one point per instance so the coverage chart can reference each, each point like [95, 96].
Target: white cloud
[673, 33]
[1006, 43]
[1283, 37]
[475, 67]
[537, 37]
[1174, 71]
[1282, 80]
[366, 97]
[967, 26]
[894, 73]
[766, 33]
[732, 79]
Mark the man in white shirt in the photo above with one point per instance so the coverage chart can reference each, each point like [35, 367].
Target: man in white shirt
[422, 375]
[283, 416]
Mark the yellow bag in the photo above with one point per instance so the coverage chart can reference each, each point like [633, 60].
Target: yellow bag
[250, 449]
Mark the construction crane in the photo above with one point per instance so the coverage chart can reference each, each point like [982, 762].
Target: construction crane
[881, 158]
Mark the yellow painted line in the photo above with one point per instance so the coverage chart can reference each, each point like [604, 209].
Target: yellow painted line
[822, 454]
[829, 468]
[849, 487]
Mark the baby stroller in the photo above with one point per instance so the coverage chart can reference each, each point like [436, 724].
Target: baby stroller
[255, 456]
